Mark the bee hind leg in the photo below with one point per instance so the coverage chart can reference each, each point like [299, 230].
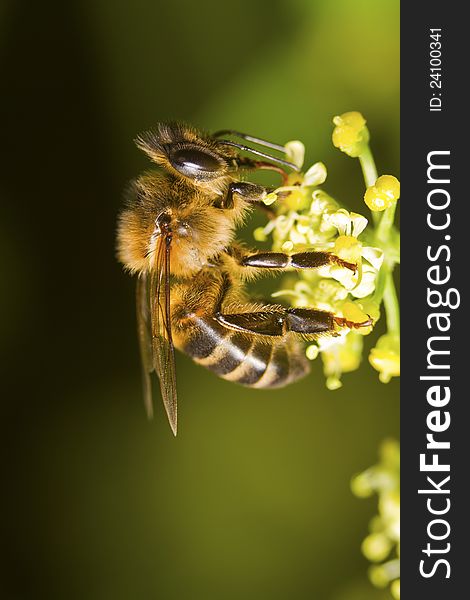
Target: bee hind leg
[277, 321]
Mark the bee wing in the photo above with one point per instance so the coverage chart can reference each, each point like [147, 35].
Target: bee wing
[162, 341]
[144, 333]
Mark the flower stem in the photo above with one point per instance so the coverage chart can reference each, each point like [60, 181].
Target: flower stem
[380, 284]
[369, 172]
[385, 224]
[392, 309]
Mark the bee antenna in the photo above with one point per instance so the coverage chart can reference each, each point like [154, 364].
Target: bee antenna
[250, 138]
[259, 153]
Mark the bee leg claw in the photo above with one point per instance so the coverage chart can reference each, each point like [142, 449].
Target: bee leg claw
[343, 263]
[342, 322]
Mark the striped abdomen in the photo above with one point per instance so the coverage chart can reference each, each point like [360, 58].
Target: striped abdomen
[246, 358]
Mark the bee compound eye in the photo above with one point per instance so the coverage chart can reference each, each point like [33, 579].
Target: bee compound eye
[192, 160]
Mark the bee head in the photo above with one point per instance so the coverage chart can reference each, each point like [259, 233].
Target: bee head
[180, 148]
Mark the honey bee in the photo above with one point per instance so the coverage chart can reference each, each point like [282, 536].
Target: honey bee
[177, 233]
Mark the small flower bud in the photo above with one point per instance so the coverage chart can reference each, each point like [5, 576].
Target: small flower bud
[379, 576]
[259, 234]
[270, 198]
[350, 134]
[333, 383]
[383, 194]
[390, 453]
[361, 485]
[385, 357]
[287, 246]
[395, 589]
[312, 352]
[376, 547]
[389, 185]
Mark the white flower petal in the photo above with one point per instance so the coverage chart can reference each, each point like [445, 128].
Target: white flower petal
[295, 153]
[373, 255]
[345, 276]
[284, 224]
[326, 227]
[297, 237]
[332, 343]
[340, 219]
[316, 175]
[301, 287]
[322, 202]
[359, 223]
[303, 227]
[269, 227]
[367, 285]
[324, 271]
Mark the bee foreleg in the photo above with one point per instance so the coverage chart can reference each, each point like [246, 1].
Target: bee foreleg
[301, 260]
[252, 192]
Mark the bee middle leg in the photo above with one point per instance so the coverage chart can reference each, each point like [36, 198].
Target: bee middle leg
[301, 260]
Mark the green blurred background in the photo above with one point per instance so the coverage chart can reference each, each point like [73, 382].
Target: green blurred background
[252, 499]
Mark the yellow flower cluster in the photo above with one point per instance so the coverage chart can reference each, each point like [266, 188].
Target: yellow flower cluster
[382, 545]
[308, 218]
